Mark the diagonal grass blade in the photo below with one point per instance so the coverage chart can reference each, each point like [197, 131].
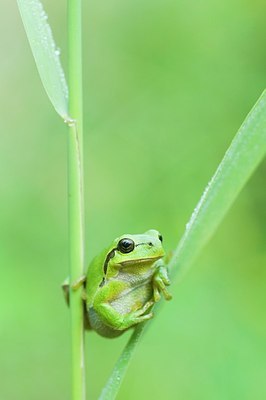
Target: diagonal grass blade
[45, 53]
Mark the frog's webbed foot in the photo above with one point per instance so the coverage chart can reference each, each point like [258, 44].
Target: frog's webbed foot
[138, 316]
[75, 286]
[160, 281]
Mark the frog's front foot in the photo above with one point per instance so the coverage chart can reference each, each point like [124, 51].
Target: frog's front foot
[160, 281]
[79, 282]
[75, 286]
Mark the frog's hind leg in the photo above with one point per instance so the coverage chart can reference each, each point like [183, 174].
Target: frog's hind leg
[86, 321]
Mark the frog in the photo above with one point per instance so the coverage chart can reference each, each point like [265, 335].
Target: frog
[123, 283]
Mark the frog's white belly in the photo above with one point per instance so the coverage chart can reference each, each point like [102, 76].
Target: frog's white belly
[133, 298]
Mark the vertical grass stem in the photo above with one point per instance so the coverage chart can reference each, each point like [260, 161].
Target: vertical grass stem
[75, 186]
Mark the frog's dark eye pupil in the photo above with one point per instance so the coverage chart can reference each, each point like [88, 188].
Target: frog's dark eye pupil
[126, 245]
[160, 238]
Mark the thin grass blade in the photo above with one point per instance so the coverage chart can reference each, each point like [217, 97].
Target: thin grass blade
[112, 387]
[241, 159]
[45, 53]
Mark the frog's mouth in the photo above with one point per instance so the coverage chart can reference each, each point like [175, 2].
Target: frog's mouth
[140, 261]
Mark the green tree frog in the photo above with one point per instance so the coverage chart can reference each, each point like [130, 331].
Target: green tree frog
[123, 283]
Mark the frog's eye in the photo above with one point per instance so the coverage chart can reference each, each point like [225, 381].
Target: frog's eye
[126, 245]
[160, 238]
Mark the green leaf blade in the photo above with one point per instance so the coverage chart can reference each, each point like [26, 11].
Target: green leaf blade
[45, 53]
[241, 159]
[112, 387]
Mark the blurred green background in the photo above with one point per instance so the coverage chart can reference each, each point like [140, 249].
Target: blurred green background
[167, 84]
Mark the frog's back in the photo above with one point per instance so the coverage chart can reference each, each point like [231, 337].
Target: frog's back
[93, 284]
[94, 278]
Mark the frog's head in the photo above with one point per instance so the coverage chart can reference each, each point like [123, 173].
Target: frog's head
[128, 250]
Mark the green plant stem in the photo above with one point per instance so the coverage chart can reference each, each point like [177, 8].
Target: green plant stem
[75, 187]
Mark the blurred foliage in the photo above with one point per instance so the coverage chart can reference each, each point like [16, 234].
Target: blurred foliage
[167, 84]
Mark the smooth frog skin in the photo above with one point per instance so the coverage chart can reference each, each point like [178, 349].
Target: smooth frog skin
[123, 282]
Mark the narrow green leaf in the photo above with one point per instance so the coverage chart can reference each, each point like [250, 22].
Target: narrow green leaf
[111, 388]
[45, 53]
[241, 159]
